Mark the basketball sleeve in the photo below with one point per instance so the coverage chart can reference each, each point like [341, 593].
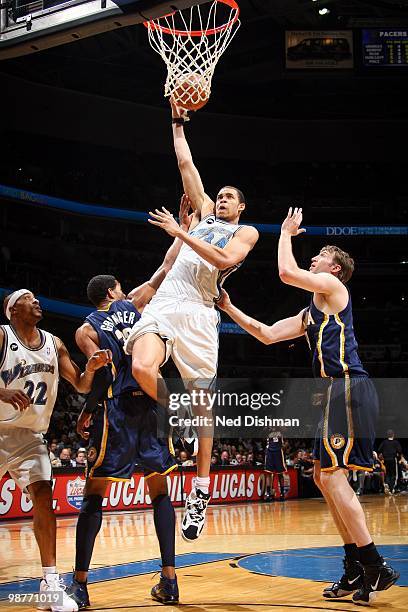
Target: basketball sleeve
[100, 385]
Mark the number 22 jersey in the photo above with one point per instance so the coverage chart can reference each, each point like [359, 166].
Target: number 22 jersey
[34, 371]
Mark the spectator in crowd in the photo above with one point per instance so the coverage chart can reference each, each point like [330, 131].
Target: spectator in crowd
[64, 459]
[403, 474]
[390, 451]
[376, 477]
[80, 460]
[53, 451]
[225, 458]
[184, 459]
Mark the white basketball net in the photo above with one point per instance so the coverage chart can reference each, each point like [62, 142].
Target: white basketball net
[190, 55]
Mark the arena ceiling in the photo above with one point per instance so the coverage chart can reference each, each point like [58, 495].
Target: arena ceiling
[251, 78]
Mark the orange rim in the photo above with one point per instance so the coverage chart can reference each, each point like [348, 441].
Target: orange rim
[155, 24]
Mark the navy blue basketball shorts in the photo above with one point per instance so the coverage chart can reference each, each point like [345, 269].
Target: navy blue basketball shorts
[123, 435]
[346, 433]
[275, 461]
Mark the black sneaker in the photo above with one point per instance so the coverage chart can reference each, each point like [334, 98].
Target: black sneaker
[78, 591]
[166, 591]
[351, 581]
[194, 515]
[379, 577]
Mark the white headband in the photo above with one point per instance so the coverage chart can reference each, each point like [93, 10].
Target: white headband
[14, 297]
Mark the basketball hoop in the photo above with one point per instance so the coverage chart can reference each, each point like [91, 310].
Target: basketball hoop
[191, 42]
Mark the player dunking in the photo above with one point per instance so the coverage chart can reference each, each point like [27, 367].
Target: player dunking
[124, 432]
[347, 433]
[275, 464]
[181, 320]
[31, 362]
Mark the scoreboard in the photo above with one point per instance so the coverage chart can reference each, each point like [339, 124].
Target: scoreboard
[385, 47]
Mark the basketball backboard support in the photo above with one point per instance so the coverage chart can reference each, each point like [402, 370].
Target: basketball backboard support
[30, 26]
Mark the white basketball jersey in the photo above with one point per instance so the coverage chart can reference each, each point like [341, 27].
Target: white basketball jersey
[34, 371]
[191, 277]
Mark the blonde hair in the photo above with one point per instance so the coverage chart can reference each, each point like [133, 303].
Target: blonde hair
[342, 259]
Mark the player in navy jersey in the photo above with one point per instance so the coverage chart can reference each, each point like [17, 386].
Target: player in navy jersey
[346, 435]
[274, 464]
[124, 432]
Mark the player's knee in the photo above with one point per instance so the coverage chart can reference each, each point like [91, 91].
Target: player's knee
[157, 486]
[41, 494]
[326, 480]
[142, 370]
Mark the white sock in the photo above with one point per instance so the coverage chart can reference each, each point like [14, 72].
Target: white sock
[202, 483]
[49, 570]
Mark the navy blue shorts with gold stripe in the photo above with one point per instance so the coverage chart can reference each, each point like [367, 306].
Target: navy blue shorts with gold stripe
[123, 435]
[346, 433]
[274, 461]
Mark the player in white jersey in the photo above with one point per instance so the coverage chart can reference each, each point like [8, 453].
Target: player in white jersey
[31, 360]
[181, 320]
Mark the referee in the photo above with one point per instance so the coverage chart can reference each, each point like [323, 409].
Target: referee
[390, 451]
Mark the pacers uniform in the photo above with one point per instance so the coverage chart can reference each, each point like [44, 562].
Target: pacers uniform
[182, 311]
[274, 458]
[124, 432]
[23, 450]
[346, 432]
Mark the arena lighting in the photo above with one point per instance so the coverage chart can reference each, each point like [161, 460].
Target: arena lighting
[324, 11]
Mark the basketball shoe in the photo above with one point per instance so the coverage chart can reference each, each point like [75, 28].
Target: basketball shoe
[51, 584]
[166, 591]
[78, 591]
[378, 577]
[351, 581]
[194, 515]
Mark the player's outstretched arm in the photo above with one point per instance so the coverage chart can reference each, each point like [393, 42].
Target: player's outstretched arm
[235, 251]
[140, 296]
[289, 271]
[286, 329]
[192, 184]
[82, 382]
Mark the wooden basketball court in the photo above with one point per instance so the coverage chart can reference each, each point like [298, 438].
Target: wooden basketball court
[233, 567]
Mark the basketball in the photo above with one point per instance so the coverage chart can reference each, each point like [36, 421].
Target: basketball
[191, 92]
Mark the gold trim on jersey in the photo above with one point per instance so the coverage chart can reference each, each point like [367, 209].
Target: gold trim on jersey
[104, 440]
[170, 469]
[110, 478]
[332, 469]
[325, 432]
[319, 345]
[342, 343]
[350, 424]
[114, 374]
[105, 309]
[359, 467]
